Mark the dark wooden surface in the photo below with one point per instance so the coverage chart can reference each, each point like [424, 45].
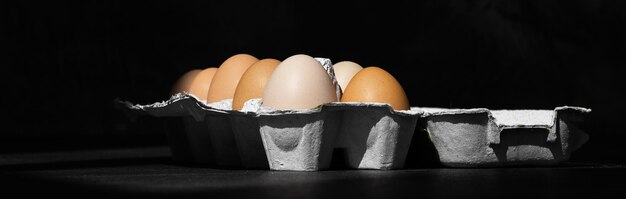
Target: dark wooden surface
[148, 171]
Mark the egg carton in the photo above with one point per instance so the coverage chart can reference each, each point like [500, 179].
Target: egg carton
[372, 135]
[494, 138]
[369, 135]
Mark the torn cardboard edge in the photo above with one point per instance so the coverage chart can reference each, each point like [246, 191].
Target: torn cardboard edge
[185, 103]
[182, 103]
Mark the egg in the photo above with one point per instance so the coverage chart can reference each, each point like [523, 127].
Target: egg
[252, 83]
[184, 82]
[344, 71]
[195, 82]
[227, 77]
[373, 84]
[299, 82]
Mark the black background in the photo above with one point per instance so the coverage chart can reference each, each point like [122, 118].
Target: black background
[66, 61]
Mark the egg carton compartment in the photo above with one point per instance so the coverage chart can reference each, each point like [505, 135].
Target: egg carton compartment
[207, 138]
[222, 137]
[299, 140]
[245, 126]
[373, 135]
[493, 138]
[196, 139]
[187, 144]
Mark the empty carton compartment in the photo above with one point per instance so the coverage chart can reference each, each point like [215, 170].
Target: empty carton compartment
[480, 137]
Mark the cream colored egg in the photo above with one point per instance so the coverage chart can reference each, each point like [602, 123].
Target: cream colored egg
[344, 71]
[299, 82]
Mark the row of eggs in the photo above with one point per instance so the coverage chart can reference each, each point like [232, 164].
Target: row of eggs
[298, 82]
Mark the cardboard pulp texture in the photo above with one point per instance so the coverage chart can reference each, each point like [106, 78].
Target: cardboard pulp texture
[482, 137]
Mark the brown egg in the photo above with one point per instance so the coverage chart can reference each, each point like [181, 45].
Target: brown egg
[184, 82]
[227, 77]
[299, 82]
[196, 82]
[252, 83]
[373, 84]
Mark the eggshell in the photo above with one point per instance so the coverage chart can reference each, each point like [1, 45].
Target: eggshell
[227, 77]
[373, 84]
[184, 82]
[252, 83]
[344, 71]
[196, 82]
[299, 82]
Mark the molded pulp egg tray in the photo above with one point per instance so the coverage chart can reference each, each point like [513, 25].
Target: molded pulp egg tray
[370, 135]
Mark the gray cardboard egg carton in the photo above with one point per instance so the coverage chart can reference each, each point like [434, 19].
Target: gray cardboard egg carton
[373, 136]
[370, 136]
